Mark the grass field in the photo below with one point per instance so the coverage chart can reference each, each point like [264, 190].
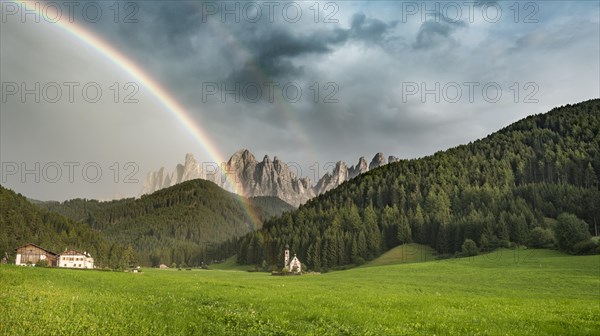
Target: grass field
[513, 292]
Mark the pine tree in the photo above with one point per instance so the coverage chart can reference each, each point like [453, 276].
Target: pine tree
[419, 225]
[404, 232]
[373, 235]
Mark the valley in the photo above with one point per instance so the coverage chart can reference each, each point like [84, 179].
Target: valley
[379, 168]
[508, 292]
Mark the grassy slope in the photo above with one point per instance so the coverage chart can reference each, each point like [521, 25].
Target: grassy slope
[404, 254]
[510, 292]
[230, 264]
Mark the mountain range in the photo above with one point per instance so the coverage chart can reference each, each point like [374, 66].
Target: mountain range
[247, 176]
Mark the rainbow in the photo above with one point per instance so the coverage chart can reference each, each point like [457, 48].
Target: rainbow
[154, 88]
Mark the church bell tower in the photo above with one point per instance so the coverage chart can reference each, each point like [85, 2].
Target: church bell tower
[286, 256]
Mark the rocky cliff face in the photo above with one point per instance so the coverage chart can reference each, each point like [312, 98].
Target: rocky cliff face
[361, 167]
[266, 178]
[243, 174]
[331, 180]
[378, 161]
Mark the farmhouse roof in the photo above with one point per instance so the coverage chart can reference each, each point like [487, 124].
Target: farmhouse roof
[74, 252]
[37, 247]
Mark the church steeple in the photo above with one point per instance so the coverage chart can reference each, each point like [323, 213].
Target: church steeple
[286, 256]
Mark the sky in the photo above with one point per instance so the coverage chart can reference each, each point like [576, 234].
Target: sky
[311, 82]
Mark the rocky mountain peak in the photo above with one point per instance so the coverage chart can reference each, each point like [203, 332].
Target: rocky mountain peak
[331, 180]
[360, 168]
[189, 159]
[378, 161]
[242, 155]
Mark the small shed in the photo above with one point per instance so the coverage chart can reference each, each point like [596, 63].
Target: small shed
[30, 254]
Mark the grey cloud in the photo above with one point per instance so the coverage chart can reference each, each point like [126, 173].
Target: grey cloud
[369, 30]
[272, 54]
[555, 38]
[435, 33]
[273, 51]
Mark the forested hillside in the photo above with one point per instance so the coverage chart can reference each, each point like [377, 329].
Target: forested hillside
[271, 206]
[177, 224]
[494, 191]
[22, 222]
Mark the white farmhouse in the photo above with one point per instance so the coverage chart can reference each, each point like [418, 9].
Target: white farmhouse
[75, 259]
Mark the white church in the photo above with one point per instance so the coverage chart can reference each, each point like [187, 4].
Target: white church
[293, 266]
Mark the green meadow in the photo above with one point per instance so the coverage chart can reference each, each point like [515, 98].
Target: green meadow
[508, 292]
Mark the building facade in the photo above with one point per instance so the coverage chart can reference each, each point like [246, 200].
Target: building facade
[30, 254]
[75, 259]
[295, 265]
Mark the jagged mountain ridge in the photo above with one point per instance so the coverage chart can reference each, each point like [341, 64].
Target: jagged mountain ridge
[243, 174]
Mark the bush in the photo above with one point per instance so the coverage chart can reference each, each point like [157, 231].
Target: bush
[569, 231]
[41, 263]
[540, 238]
[443, 256]
[469, 248]
[585, 247]
[358, 261]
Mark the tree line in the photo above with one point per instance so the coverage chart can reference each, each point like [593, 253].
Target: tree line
[182, 224]
[535, 175]
[22, 222]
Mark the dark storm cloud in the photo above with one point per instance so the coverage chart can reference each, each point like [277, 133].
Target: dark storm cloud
[369, 30]
[273, 50]
[162, 27]
[182, 41]
[434, 33]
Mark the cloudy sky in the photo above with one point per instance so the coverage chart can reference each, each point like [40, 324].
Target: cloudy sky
[306, 81]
